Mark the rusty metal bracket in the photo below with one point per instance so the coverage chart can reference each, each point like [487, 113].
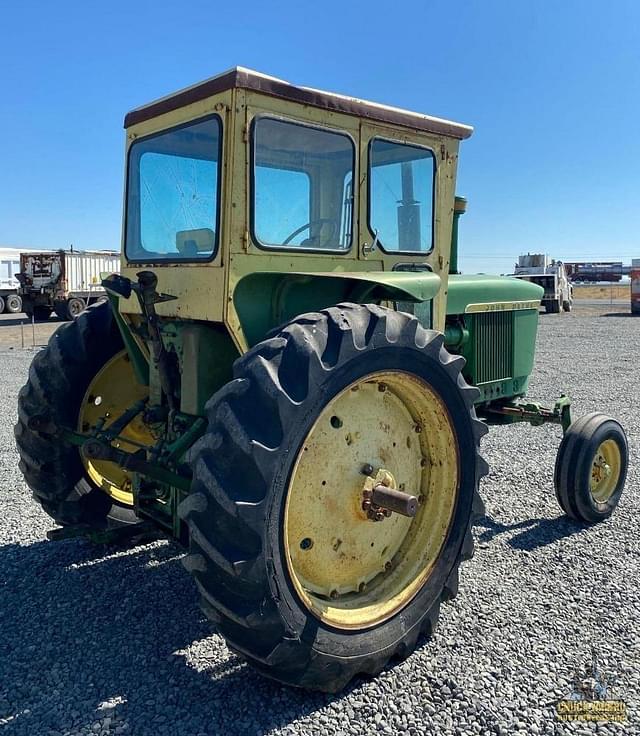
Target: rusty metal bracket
[380, 499]
[531, 412]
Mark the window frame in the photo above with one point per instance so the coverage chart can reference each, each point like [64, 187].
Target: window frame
[218, 203]
[394, 251]
[252, 185]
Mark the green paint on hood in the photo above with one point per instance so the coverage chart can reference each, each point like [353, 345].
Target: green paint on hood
[464, 290]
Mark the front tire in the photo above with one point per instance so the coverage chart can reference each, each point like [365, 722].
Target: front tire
[591, 468]
[58, 379]
[255, 509]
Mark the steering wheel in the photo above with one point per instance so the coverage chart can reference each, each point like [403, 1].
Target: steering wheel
[320, 222]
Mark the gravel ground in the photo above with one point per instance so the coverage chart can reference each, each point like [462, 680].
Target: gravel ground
[111, 641]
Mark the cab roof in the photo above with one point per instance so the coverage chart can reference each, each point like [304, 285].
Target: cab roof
[242, 78]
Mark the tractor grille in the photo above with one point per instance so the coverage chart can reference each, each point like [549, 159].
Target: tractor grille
[493, 346]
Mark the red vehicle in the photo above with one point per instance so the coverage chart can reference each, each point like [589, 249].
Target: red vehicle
[635, 286]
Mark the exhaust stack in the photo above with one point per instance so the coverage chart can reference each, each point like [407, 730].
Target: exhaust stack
[459, 208]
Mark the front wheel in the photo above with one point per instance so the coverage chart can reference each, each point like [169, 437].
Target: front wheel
[302, 576]
[591, 468]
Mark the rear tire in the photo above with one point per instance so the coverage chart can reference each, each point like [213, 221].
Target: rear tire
[58, 378]
[243, 468]
[591, 468]
[13, 304]
[74, 306]
[2, 305]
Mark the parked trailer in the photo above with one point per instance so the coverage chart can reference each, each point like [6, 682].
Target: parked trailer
[63, 281]
[635, 286]
[594, 272]
[10, 300]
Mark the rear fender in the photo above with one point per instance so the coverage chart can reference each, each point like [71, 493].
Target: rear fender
[264, 300]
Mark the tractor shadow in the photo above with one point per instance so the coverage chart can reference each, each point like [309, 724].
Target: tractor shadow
[621, 314]
[90, 633]
[535, 533]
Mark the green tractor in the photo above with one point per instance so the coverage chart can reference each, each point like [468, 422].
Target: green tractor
[291, 378]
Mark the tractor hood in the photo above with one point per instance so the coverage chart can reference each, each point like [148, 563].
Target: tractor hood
[488, 293]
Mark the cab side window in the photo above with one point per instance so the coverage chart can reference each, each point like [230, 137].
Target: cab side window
[401, 192]
[302, 191]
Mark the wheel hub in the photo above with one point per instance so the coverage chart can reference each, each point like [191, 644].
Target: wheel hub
[347, 570]
[605, 471]
[113, 390]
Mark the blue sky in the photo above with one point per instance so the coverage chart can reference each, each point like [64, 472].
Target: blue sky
[552, 88]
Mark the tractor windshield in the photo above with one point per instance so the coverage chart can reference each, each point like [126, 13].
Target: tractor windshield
[302, 186]
[172, 194]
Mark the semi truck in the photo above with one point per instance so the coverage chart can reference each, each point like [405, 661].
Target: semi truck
[551, 275]
[64, 282]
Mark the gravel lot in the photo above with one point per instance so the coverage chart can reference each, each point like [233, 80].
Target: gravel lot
[97, 641]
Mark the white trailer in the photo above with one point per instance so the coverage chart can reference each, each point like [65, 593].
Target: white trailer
[63, 281]
[10, 300]
[551, 275]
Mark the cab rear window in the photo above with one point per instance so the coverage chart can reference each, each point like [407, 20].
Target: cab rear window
[173, 183]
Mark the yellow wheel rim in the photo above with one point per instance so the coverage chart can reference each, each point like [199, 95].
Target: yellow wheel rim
[348, 570]
[605, 471]
[113, 390]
